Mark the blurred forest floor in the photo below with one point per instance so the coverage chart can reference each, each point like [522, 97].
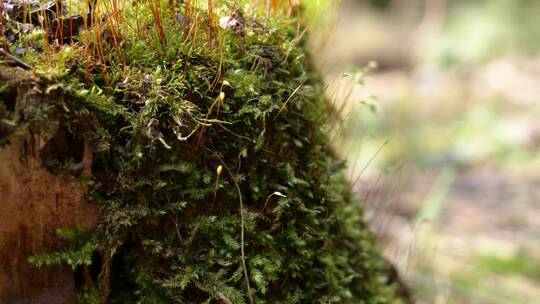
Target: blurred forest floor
[443, 140]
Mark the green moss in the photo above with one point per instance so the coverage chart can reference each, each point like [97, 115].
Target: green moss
[186, 129]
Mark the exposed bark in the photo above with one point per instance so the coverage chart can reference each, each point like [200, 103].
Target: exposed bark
[33, 204]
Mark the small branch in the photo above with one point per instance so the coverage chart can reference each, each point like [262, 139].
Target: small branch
[177, 228]
[105, 276]
[237, 135]
[16, 60]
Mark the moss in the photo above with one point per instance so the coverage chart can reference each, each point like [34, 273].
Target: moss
[212, 166]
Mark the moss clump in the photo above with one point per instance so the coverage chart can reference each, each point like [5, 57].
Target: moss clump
[212, 167]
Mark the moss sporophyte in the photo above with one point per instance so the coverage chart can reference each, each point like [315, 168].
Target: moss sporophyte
[211, 163]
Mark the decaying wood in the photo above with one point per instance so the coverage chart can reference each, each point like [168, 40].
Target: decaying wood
[33, 204]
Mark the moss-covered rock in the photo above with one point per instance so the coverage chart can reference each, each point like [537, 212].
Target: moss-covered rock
[211, 164]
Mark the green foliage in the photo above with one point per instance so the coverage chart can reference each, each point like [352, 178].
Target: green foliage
[479, 31]
[90, 296]
[161, 125]
[518, 263]
[78, 252]
[381, 3]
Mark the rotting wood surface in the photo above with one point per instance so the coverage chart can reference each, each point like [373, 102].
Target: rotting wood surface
[33, 204]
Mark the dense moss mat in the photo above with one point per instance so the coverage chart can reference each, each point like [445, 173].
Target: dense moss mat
[184, 133]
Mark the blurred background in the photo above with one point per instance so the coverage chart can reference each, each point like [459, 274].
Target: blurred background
[442, 137]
